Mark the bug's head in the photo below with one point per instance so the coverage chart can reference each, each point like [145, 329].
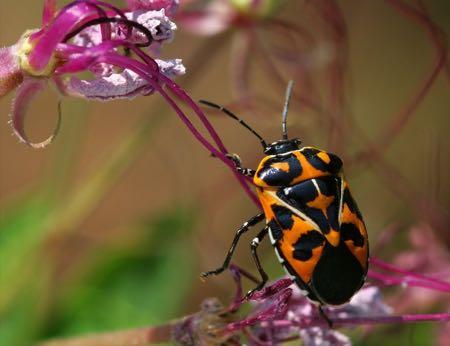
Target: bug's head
[282, 146]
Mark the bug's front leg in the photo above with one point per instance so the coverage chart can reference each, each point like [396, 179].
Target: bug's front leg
[254, 246]
[244, 228]
[238, 164]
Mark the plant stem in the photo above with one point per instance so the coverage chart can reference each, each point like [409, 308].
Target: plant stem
[134, 337]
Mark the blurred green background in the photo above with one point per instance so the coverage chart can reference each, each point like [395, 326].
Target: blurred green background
[109, 227]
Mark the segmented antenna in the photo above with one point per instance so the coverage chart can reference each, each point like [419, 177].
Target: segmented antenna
[233, 116]
[286, 107]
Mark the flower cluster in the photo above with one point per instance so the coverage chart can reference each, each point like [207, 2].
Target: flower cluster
[88, 35]
[281, 313]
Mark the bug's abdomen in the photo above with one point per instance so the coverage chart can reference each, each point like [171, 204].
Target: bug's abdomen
[337, 276]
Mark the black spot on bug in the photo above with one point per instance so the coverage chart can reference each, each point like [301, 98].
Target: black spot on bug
[276, 231]
[283, 216]
[299, 195]
[332, 167]
[276, 177]
[351, 204]
[350, 232]
[306, 243]
[337, 276]
[335, 164]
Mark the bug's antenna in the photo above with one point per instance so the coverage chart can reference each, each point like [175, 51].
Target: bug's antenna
[231, 115]
[286, 107]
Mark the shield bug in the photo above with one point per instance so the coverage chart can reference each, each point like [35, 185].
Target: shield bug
[312, 220]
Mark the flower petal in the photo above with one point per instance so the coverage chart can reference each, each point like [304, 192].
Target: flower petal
[171, 68]
[24, 95]
[367, 302]
[317, 336]
[48, 12]
[10, 74]
[66, 20]
[124, 85]
[170, 6]
[215, 18]
[157, 22]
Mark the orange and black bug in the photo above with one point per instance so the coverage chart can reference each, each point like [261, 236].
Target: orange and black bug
[312, 219]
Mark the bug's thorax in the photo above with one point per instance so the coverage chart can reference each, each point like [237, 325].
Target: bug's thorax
[288, 168]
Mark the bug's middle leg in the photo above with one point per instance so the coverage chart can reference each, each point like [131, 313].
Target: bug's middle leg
[325, 317]
[244, 228]
[254, 246]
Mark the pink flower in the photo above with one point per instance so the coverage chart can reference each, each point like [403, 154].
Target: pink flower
[427, 255]
[85, 36]
[170, 6]
[221, 15]
[280, 313]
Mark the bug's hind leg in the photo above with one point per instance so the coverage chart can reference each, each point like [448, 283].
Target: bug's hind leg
[244, 228]
[254, 245]
[325, 317]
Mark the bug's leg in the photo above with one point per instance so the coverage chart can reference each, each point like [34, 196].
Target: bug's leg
[325, 317]
[254, 245]
[238, 165]
[244, 228]
[246, 171]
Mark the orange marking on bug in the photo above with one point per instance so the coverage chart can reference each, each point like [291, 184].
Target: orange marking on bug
[324, 157]
[333, 237]
[281, 166]
[308, 171]
[347, 215]
[321, 202]
[304, 269]
[266, 202]
[359, 252]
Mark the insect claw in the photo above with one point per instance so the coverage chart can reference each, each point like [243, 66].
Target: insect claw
[253, 291]
[249, 295]
[211, 272]
[235, 158]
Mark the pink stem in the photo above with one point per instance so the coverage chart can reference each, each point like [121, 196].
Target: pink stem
[177, 90]
[445, 286]
[355, 321]
[391, 280]
[143, 71]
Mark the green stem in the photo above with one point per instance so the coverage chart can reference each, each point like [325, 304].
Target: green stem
[136, 337]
